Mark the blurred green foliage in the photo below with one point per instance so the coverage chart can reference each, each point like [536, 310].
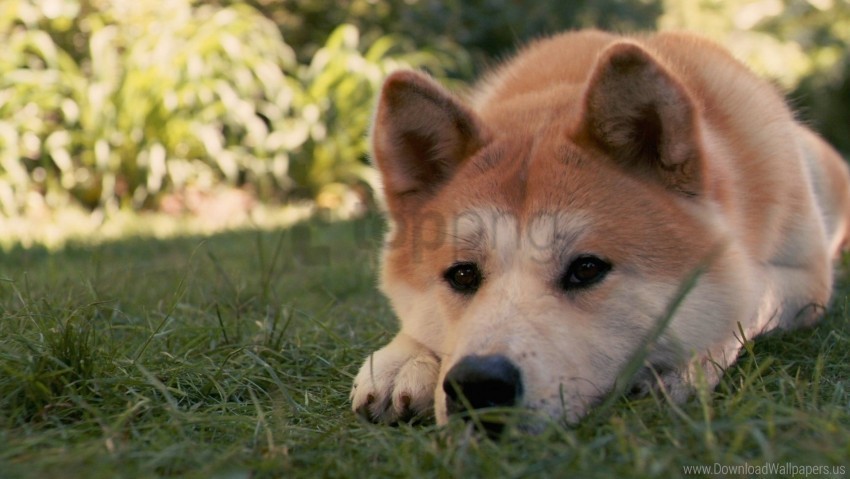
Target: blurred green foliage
[481, 29]
[340, 84]
[111, 104]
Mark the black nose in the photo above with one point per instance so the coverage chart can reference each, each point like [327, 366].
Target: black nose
[482, 382]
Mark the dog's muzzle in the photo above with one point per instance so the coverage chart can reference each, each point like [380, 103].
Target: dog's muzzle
[482, 382]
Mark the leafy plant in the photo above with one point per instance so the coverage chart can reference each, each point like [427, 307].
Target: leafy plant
[155, 100]
[340, 85]
[110, 104]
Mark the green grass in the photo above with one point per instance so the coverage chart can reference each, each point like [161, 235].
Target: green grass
[232, 356]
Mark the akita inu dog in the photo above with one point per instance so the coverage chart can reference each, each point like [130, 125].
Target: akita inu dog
[541, 233]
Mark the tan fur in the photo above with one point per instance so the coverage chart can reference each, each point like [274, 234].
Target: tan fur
[660, 153]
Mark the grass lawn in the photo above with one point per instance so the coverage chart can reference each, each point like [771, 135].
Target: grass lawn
[232, 356]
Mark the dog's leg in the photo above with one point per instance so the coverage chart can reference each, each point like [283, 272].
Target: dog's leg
[396, 383]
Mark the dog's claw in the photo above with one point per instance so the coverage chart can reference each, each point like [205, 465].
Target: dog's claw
[396, 384]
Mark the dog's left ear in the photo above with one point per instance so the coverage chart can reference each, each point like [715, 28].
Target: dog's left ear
[640, 114]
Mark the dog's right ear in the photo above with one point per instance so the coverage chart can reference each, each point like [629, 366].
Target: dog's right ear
[420, 136]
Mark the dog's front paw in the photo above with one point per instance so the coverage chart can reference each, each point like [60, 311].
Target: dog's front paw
[396, 383]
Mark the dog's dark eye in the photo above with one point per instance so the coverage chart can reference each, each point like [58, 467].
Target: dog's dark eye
[464, 277]
[585, 271]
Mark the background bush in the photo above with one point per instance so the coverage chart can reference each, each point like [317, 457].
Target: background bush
[111, 105]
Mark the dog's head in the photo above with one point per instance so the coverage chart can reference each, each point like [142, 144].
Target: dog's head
[535, 243]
